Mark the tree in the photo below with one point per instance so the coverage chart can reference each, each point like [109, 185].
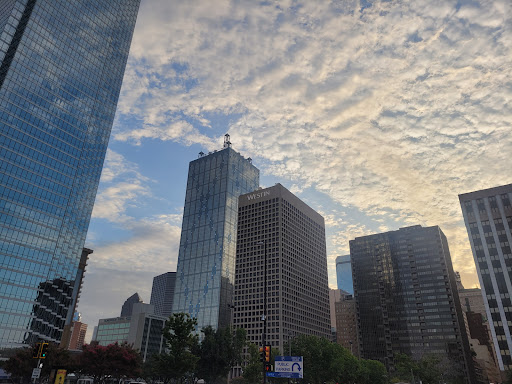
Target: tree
[253, 370]
[21, 363]
[219, 352]
[114, 360]
[372, 372]
[179, 360]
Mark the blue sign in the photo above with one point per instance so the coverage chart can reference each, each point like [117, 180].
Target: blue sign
[289, 366]
[290, 375]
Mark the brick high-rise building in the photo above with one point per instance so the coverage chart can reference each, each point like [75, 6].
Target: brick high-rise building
[276, 222]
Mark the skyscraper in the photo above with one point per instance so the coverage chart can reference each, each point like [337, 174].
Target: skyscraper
[407, 299]
[61, 68]
[162, 293]
[344, 274]
[276, 222]
[127, 308]
[488, 218]
[206, 261]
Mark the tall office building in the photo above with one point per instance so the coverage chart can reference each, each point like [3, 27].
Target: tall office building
[61, 68]
[206, 261]
[127, 308]
[162, 293]
[344, 274]
[346, 323]
[488, 218]
[407, 300]
[276, 222]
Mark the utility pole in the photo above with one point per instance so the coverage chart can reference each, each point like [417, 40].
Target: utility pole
[264, 317]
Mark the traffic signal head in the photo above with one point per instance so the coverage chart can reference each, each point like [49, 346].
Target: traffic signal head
[262, 354]
[268, 368]
[267, 353]
[36, 350]
[44, 350]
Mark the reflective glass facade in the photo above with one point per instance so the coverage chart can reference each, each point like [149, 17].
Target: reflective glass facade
[61, 68]
[344, 274]
[162, 293]
[407, 299]
[206, 261]
[488, 219]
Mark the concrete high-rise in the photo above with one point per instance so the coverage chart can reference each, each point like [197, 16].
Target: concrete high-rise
[276, 222]
[346, 323]
[407, 299]
[488, 218]
[61, 67]
[344, 274]
[162, 293]
[206, 260]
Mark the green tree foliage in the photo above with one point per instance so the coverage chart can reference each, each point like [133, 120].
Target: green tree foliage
[21, 363]
[430, 369]
[114, 360]
[325, 361]
[253, 371]
[219, 351]
[179, 361]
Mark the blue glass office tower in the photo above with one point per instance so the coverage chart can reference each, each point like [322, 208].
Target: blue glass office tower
[344, 274]
[61, 67]
[206, 261]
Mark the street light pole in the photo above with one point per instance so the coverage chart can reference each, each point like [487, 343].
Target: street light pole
[264, 317]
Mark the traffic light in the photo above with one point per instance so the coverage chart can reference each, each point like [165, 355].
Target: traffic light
[262, 354]
[36, 350]
[267, 353]
[268, 368]
[44, 350]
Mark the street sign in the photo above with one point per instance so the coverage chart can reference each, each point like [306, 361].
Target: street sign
[36, 372]
[61, 376]
[289, 375]
[290, 365]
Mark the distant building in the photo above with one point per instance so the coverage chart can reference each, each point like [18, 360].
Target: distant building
[334, 296]
[276, 222]
[488, 218]
[143, 330]
[346, 323]
[127, 307]
[206, 260]
[344, 274]
[78, 332]
[407, 298]
[162, 293]
[480, 339]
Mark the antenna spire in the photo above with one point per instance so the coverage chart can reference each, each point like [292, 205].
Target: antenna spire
[227, 143]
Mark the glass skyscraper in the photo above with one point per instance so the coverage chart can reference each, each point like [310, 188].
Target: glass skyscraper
[344, 274]
[407, 299]
[61, 67]
[162, 293]
[206, 261]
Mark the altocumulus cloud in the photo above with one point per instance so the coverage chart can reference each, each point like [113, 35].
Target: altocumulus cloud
[391, 109]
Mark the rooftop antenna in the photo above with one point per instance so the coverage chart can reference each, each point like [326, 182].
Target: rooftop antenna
[201, 154]
[227, 143]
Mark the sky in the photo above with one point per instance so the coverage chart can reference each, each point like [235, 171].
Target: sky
[377, 114]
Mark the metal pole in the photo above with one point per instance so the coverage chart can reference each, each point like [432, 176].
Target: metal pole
[263, 336]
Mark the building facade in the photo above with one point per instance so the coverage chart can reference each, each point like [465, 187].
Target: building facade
[275, 222]
[344, 274]
[61, 67]
[142, 329]
[407, 300]
[346, 323]
[127, 308]
[206, 261]
[162, 293]
[488, 218]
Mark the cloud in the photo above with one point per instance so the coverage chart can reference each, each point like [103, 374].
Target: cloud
[391, 110]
